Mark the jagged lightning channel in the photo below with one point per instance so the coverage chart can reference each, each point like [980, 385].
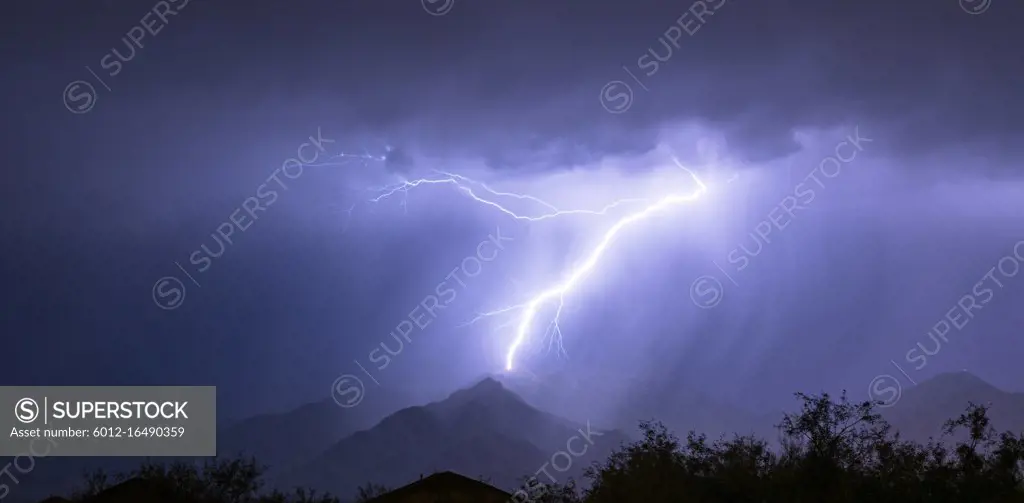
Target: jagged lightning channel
[579, 272]
[466, 185]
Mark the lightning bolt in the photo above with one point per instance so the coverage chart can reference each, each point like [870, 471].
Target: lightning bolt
[484, 195]
[560, 290]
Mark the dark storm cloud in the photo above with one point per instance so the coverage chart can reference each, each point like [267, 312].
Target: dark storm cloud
[507, 81]
[510, 79]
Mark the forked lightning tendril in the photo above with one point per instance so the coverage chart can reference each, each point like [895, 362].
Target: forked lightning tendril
[344, 158]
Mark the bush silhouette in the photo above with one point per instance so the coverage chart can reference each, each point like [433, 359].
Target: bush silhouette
[831, 451]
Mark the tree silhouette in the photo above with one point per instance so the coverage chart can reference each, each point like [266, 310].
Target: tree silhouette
[830, 451]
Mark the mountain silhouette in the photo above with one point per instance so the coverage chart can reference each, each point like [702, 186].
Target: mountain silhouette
[274, 437]
[923, 409]
[484, 431]
[282, 440]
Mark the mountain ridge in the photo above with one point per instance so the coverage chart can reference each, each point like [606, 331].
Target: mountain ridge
[484, 430]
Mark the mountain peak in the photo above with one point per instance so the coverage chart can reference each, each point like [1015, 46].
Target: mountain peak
[488, 393]
[962, 380]
[488, 385]
[487, 389]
